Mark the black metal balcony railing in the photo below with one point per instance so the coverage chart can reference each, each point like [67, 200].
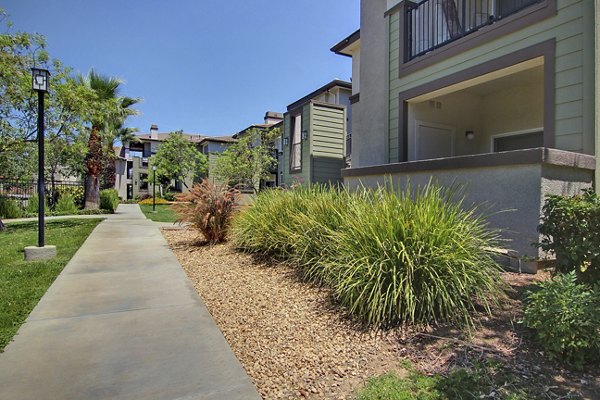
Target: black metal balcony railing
[435, 23]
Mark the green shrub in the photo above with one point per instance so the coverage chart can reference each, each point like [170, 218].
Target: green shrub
[391, 257]
[9, 208]
[170, 196]
[77, 193]
[66, 205]
[33, 205]
[208, 208]
[566, 318]
[570, 230]
[109, 200]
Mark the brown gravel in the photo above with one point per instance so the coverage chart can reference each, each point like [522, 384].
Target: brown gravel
[294, 343]
[290, 341]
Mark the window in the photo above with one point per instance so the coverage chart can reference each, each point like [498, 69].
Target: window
[143, 181]
[296, 148]
[518, 141]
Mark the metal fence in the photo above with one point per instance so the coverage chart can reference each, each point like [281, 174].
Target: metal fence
[23, 189]
[434, 23]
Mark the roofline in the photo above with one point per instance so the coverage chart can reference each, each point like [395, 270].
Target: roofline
[338, 48]
[308, 97]
[215, 139]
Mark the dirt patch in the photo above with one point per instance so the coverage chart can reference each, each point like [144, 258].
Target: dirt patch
[294, 343]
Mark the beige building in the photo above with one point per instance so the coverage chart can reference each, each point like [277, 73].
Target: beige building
[499, 96]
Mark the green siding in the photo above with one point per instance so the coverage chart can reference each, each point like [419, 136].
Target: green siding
[323, 152]
[572, 28]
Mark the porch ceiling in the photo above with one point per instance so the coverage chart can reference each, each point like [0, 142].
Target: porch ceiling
[521, 73]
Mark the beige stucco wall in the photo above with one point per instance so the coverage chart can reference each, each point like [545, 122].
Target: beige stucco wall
[573, 30]
[510, 196]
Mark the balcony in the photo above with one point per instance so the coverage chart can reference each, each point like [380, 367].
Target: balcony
[431, 24]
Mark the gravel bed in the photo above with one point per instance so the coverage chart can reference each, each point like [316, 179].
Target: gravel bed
[289, 339]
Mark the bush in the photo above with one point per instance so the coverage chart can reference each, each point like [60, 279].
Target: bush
[391, 257]
[149, 201]
[77, 193]
[33, 205]
[570, 230]
[170, 196]
[66, 205]
[566, 318]
[208, 208]
[9, 208]
[109, 200]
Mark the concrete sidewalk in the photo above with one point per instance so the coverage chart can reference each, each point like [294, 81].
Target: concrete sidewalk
[122, 321]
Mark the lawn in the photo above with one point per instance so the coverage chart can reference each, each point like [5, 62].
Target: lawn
[22, 284]
[164, 212]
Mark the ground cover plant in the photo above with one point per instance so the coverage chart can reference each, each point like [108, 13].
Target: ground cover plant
[390, 256]
[164, 213]
[208, 208]
[22, 283]
[565, 316]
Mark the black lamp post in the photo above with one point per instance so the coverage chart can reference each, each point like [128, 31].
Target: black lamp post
[154, 188]
[40, 78]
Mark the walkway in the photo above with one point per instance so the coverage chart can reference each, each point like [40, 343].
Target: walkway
[122, 321]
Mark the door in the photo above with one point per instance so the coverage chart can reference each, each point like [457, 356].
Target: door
[433, 141]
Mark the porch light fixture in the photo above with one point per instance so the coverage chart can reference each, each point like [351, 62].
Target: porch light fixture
[285, 141]
[470, 135]
[304, 135]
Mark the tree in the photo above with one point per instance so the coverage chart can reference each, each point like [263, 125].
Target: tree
[177, 159]
[248, 161]
[67, 106]
[114, 112]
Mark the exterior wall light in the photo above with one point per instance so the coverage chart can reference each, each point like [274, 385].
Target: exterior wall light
[304, 135]
[285, 141]
[470, 135]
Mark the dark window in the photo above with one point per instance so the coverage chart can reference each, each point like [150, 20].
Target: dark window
[519, 141]
[143, 181]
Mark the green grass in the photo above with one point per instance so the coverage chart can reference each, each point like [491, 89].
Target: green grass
[22, 284]
[461, 384]
[164, 212]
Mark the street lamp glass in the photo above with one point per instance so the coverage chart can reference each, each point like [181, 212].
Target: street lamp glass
[154, 168]
[39, 79]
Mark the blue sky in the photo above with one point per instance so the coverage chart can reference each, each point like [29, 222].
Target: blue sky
[204, 66]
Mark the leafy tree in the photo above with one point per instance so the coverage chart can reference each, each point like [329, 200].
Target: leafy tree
[115, 109]
[177, 158]
[248, 161]
[67, 105]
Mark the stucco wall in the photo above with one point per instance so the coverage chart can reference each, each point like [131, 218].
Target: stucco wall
[369, 137]
[510, 196]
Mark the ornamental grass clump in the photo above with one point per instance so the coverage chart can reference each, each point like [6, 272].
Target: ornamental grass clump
[413, 256]
[391, 257]
[208, 208]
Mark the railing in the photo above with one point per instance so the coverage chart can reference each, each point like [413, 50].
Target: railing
[22, 189]
[435, 23]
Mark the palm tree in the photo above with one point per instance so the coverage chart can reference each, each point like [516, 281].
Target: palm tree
[114, 111]
[121, 134]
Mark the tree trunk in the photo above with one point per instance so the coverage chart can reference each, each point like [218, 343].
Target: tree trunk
[92, 193]
[1, 226]
[93, 163]
[108, 175]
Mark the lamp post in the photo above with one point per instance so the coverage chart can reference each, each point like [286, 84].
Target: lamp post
[40, 78]
[154, 188]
